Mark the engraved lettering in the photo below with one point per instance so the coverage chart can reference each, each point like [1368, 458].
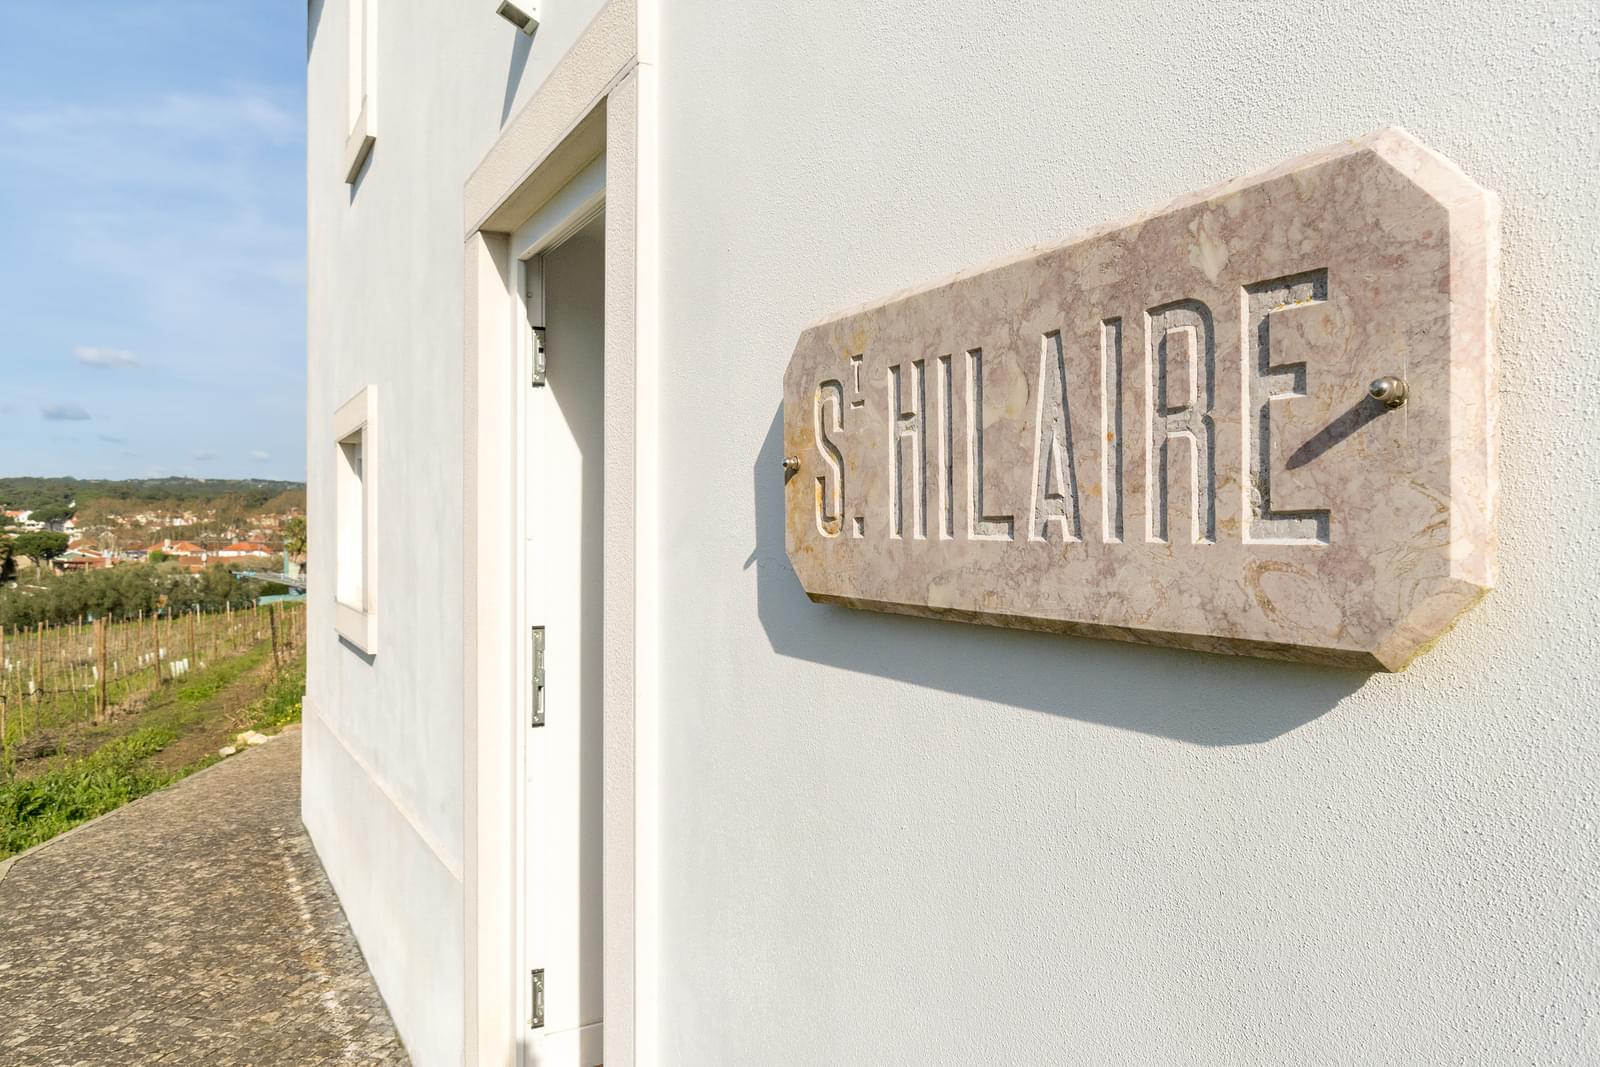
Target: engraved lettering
[981, 526]
[947, 452]
[1165, 430]
[907, 432]
[858, 400]
[1111, 429]
[1055, 467]
[1180, 366]
[1266, 303]
[830, 486]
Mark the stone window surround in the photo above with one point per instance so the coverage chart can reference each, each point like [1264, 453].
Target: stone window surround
[361, 53]
[355, 420]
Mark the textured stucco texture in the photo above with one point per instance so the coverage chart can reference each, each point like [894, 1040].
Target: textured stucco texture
[896, 841]
[887, 840]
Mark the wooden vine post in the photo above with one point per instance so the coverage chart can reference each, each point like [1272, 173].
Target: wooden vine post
[38, 662]
[101, 703]
[272, 623]
[5, 692]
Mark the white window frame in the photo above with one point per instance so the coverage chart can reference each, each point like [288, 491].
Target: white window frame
[361, 112]
[357, 622]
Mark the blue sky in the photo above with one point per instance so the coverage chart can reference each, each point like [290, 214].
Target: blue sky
[152, 238]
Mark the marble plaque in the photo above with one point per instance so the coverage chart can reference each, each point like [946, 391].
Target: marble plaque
[1164, 431]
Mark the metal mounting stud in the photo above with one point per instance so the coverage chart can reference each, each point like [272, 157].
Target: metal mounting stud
[1388, 391]
[525, 21]
[791, 465]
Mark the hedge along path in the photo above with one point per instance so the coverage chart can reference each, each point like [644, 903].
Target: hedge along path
[82, 672]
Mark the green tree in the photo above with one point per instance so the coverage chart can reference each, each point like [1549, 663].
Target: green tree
[217, 588]
[50, 513]
[294, 538]
[8, 563]
[41, 546]
[124, 592]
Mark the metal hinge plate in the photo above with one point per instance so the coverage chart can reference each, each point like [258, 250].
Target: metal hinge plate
[538, 676]
[538, 355]
[536, 1009]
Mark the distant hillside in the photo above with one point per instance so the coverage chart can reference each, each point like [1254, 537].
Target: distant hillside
[249, 493]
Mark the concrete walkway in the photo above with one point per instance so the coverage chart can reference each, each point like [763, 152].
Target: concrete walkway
[194, 926]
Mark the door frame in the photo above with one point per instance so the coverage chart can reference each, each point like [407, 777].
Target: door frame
[579, 203]
[600, 98]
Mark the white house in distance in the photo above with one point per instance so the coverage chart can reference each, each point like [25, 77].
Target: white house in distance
[628, 332]
[243, 550]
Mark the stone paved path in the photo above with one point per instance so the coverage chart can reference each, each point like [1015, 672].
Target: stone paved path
[194, 926]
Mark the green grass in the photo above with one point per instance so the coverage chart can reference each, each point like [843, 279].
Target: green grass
[213, 680]
[281, 705]
[36, 809]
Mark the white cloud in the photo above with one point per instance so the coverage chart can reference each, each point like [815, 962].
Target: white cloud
[260, 455]
[63, 413]
[190, 221]
[104, 357]
[246, 114]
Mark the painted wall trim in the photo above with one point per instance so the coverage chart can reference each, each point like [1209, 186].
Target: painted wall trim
[368, 848]
[310, 711]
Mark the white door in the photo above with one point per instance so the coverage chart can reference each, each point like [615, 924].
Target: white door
[560, 793]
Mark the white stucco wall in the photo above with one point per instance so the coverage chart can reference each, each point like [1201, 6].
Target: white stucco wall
[889, 841]
[383, 736]
[892, 841]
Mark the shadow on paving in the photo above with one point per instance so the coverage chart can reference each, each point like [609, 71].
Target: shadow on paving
[192, 926]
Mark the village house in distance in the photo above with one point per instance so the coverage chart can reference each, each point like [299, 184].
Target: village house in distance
[114, 524]
[1024, 534]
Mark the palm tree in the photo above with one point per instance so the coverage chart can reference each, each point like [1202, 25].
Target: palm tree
[294, 538]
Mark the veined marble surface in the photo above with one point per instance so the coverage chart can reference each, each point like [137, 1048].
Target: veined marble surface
[1160, 431]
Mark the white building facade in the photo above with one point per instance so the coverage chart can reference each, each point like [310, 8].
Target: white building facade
[595, 780]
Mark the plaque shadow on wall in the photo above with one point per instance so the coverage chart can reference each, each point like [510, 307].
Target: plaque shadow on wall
[1194, 697]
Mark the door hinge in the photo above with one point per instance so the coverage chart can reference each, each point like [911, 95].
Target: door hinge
[536, 1009]
[538, 355]
[538, 676]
